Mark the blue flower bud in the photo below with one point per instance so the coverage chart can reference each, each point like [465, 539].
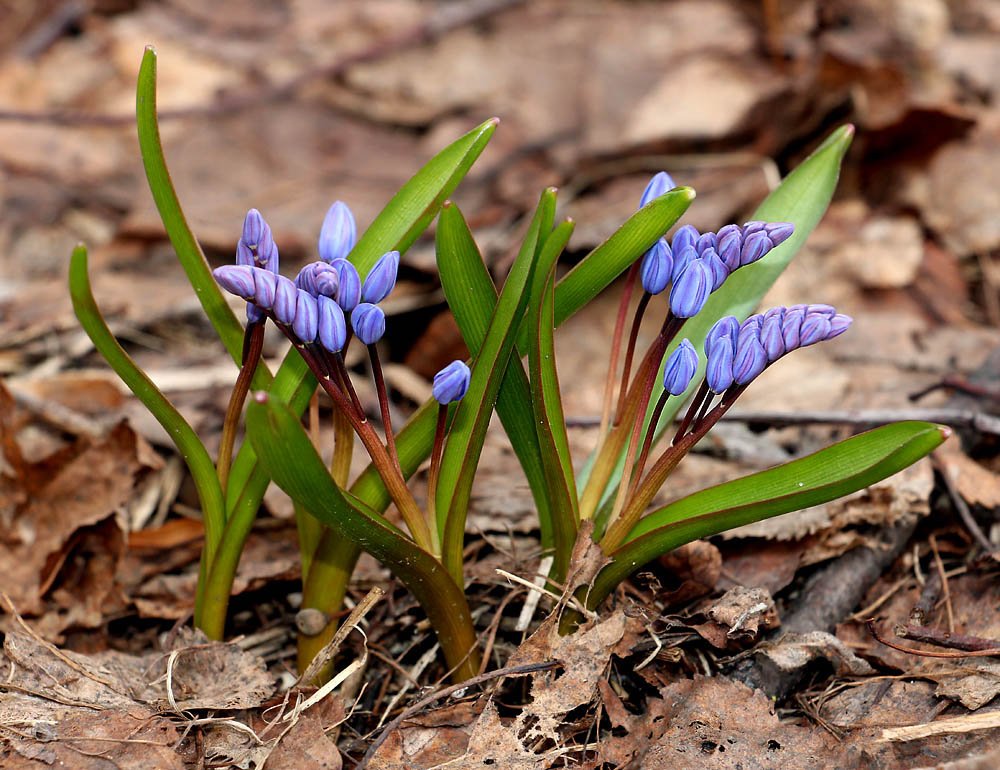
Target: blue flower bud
[657, 267]
[838, 325]
[684, 237]
[682, 259]
[729, 246]
[265, 283]
[719, 270]
[690, 292]
[349, 293]
[285, 299]
[753, 226]
[381, 279]
[749, 328]
[369, 322]
[719, 368]
[706, 241]
[452, 382]
[827, 310]
[779, 232]
[326, 281]
[254, 313]
[236, 279]
[778, 310]
[338, 233]
[267, 253]
[659, 184]
[791, 327]
[815, 328]
[244, 255]
[755, 246]
[726, 327]
[332, 326]
[750, 359]
[680, 368]
[306, 321]
[254, 228]
[772, 338]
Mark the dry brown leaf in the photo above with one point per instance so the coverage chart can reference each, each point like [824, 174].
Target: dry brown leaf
[697, 566]
[305, 747]
[793, 652]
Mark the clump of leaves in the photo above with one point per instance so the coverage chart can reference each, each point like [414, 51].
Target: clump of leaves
[707, 346]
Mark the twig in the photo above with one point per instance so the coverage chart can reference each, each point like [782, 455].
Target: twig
[961, 507]
[450, 18]
[927, 653]
[946, 638]
[960, 384]
[327, 653]
[944, 583]
[527, 668]
[981, 720]
[922, 608]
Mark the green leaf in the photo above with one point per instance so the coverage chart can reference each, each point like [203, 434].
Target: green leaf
[472, 298]
[468, 431]
[416, 204]
[546, 404]
[277, 435]
[184, 438]
[839, 470]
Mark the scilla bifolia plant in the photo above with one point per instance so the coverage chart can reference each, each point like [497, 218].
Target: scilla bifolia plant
[715, 280]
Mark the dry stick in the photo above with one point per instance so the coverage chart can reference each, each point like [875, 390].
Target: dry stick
[962, 508]
[454, 16]
[944, 584]
[616, 344]
[960, 384]
[527, 668]
[922, 608]
[941, 638]
[980, 653]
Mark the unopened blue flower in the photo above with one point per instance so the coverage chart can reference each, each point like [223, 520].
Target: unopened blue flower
[779, 232]
[368, 321]
[815, 327]
[658, 185]
[265, 284]
[256, 246]
[791, 326]
[771, 335]
[838, 325]
[749, 328]
[719, 367]
[682, 259]
[349, 293]
[285, 299]
[680, 368]
[706, 241]
[719, 270]
[755, 246]
[319, 278]
[452, 382]
[726, 327]
[254, 313]
[244, 254]
[690, 292]
[381, 279]
[306, 321]
[332, 326]
[752, 227]
[750, 359]
[657, 267]
[684, 237]
[729, 246]
[338, 233]
[254, 228]
[236, 279]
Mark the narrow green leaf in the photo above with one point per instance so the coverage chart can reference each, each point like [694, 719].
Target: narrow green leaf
[185, 439]
[549, 422]
[465, 441]
[472, 298]
[416, 204]
[277, 434]
[839, 470]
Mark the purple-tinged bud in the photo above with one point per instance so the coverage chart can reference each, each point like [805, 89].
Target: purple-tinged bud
[267, 253]
[706, 241]
[254, 313]
[791, 327]
[827, 310]
[771, 337]
[265, 284]
[658, 185]
[690, 292]
[368, 321]
[777, 310]
[838, 325]
[326, 281]
[349, 293]
[815, 328]
[254, 228]
[719, 368]
[657, 267]
[726, 327]
[749, 328]
[286, 297]
[779, 232]
[244, 255]
[332, 326]
[236, 279]
[730, 245]
[452, 382]
[755, 246]
[306, 321]
[682, 259]
[753, 226]
[750, 360]
[797, 308]
[680, 368]
[684, 237]
[338, 233]
[381, 279]
[719, 270]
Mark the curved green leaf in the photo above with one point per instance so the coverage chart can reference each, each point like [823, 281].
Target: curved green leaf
[277, 434]
[472, 298]
[839, 470]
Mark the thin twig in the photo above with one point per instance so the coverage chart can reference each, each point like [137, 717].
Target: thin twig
[946, 638]
[961, 507]
[527, 668]
[927, 653]
[944, 584]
